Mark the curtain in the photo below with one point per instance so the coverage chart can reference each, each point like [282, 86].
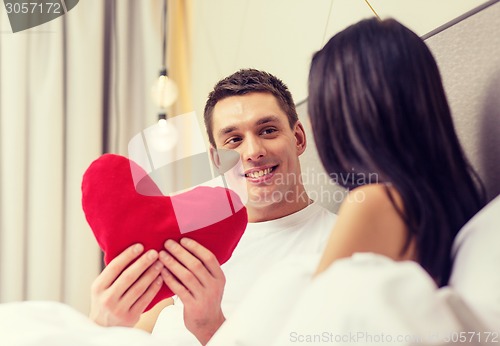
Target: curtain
[180, 53]
[51, 109]
[70, 90]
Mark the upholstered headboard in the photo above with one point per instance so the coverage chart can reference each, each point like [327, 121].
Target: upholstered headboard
[468, 54]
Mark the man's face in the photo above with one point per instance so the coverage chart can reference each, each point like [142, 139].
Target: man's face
[257, 128]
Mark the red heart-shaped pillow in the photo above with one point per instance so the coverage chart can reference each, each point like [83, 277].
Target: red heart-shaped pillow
[120, 217]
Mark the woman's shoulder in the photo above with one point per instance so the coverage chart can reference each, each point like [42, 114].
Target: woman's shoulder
[373, 215]
[374, 198]
[370, 219]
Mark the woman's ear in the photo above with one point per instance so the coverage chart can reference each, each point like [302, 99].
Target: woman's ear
[300, 137]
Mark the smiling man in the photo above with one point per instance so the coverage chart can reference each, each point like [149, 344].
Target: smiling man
[253, 113]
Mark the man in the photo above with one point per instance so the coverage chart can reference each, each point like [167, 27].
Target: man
[251, 112]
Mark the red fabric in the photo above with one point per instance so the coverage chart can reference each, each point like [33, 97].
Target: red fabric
[120, 217]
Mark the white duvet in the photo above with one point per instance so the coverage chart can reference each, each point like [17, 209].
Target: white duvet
[364, 300]
[56, 324]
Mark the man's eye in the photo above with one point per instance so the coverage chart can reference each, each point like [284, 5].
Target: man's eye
[232, 140]
[268, 131]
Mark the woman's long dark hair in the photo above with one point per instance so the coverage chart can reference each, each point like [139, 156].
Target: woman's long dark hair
[377, 106]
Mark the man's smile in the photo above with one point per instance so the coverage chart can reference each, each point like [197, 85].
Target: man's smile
[260, 174]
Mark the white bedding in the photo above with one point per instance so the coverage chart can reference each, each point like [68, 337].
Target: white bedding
[56, 324]
[367, 299]
[363, 300]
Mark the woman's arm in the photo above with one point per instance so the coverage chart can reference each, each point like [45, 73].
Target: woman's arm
[368, 222]
[148, 319]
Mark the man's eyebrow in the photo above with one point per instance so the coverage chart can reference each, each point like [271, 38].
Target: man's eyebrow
[226, 130]
[268, 119]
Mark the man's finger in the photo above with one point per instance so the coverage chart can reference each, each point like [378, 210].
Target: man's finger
[147, 297]
[189, 261]
[205, 256]
[127, 278]
[183, 274]
[139, 287]
[175, 286]
[117, 265]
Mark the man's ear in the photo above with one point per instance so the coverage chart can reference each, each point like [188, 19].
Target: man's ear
[300, 137]
[224, 159]
[214, 155]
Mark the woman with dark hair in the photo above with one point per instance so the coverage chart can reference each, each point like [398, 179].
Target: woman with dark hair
[378, 109]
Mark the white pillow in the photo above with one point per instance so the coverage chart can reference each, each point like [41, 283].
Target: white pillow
[476, 263]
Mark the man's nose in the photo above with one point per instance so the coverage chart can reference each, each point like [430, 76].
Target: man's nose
[254, 149]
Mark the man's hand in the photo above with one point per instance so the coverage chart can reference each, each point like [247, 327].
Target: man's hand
[193, 273]
[119, 295]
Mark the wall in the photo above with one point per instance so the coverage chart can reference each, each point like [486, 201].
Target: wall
[468, 55]
[280, 37]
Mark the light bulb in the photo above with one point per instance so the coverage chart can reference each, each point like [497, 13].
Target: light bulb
[164, 91]
[164, 136]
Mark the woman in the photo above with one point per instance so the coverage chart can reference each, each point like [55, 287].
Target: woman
[378, 109]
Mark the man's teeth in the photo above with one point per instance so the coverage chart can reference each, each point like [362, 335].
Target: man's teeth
[258, 174]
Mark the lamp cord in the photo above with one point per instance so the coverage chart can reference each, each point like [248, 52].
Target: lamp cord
[372, 9]
[164, 39]
[163, 113]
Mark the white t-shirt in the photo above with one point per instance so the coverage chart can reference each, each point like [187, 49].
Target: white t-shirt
[263, 244]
